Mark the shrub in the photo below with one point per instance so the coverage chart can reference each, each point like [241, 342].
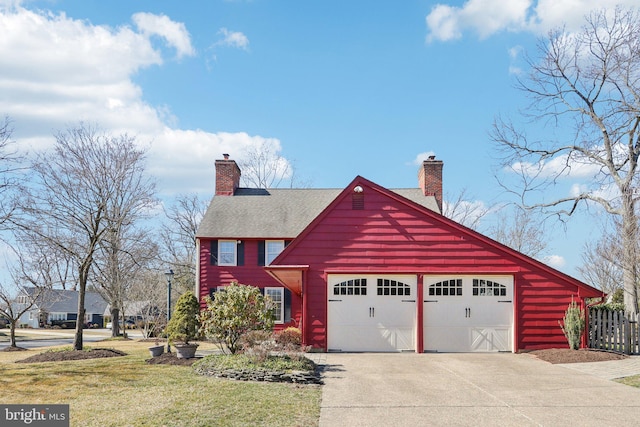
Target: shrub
[255, 338]
[233, 312]
[573, 326]
[184, 324]
[289, 337]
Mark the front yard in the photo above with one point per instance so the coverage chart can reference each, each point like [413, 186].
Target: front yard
[126, 391]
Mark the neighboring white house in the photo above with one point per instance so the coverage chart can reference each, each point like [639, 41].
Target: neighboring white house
[59, 307]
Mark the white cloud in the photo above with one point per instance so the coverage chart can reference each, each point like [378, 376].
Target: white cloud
[487, 17]
[58, 71]
[555, 261]
[185, 158]
[576, 168]
[175, 33]
[233, 39]
[421, 157]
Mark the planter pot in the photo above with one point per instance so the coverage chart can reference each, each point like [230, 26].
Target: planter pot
[186, 351]
[156, 350]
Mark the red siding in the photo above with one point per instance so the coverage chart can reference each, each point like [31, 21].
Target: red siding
[392, 235]
[212, 276]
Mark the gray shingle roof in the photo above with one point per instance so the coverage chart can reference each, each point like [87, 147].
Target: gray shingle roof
[66, 301]
[276, 213]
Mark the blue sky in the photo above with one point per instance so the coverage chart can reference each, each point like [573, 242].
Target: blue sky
[337, 88]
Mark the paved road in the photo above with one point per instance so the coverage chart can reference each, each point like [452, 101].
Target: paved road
[50, 338]
[373, 389]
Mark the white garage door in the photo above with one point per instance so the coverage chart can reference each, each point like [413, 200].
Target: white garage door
[371, 313]
[468, 313]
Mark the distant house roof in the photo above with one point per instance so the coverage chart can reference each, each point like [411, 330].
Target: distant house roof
[66, 301]
[133, 308]
[277, 213]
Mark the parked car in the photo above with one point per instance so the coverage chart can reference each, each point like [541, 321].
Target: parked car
[128, 324]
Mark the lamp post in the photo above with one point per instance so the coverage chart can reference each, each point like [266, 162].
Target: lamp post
[169, 276]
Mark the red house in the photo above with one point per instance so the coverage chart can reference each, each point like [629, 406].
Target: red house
[366, 268]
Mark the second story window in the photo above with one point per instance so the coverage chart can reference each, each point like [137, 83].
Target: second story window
[272, 250]
[227, 252]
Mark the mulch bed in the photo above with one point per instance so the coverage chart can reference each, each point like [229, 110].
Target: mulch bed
[60, 356]
[553, 355]
[170, 359]
[565, 355]
[14, 349]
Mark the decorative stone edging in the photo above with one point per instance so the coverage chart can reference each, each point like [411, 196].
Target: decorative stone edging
[297, 377]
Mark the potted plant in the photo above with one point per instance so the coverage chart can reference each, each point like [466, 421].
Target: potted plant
[183, 326]
[157, 349]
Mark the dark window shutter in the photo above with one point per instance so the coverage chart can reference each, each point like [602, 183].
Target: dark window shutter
[261, 252]
[287, 305]
[286, 243]
[214, 252]
[240, 260]
[212, 292]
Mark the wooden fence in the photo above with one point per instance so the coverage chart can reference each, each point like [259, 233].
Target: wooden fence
[613, 331]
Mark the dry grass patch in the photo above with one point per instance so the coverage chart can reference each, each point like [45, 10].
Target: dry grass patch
[123, 391]
[633, 381]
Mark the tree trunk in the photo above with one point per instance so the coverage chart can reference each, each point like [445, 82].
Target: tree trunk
[629, 253]
[12, 333]
[77, 342]
[115, 321]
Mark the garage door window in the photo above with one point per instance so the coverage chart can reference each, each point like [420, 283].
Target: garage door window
[392, 287]
[351, 287]
[487, 288]
[452, 287]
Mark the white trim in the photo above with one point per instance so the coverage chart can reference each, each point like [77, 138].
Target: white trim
[270, 256]
[279, 301]
[197, 260]
[234, 244]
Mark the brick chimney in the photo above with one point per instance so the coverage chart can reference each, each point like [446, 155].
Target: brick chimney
[227, 176]
[430, 179]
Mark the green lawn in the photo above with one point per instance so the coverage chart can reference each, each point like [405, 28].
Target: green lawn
[125, 391]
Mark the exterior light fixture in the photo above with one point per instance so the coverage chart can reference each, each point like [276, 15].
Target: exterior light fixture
[358, 189]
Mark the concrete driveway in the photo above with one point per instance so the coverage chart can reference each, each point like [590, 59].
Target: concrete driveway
[486, 389]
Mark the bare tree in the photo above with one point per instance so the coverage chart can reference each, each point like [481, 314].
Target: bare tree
[14, 304]
[150, 291]
[464, 210]
[32, 273]
[586, 84]
[601, 264]
[520, 230]
[178, 236]
[9, 165]
[122, 259]
[263, 167]
[73, 191]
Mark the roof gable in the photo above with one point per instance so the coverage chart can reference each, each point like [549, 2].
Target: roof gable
[452, 234]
